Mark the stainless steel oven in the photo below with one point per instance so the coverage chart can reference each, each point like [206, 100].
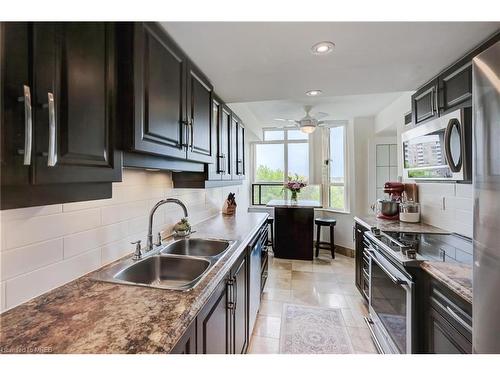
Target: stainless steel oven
[440, 149]
[390, 305]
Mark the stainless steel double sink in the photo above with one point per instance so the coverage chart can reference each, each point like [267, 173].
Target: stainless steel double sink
[178, 265]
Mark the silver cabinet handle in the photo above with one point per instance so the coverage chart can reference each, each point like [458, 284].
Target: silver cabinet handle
[28, 125]
[192, 133]
[52, 157]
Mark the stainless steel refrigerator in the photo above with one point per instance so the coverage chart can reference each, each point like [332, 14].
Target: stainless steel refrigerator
[486, 277]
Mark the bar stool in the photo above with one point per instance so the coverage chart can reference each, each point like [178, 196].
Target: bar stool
[322, 222]
[270, 222]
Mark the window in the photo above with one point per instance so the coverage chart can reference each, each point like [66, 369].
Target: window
[337, 199]
[283, 153]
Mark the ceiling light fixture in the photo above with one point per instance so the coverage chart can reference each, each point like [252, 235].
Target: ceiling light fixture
[314, 92]
[308, 129]
[322, 48]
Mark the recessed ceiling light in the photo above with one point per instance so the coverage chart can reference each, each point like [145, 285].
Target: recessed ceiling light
[314, 92]
[322, 48]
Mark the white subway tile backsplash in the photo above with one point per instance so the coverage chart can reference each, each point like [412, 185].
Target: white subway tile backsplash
[2, 296]
[28, 212]
[27, 286]
[115, 250]
[121, 212]
[45, 247]
[457, 213]
[83, 241]
[29, 258]
[40, 228]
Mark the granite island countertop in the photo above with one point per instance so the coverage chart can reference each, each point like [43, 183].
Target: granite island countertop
[301, 203]
[456, 276]
[398, 226]
[90, 316]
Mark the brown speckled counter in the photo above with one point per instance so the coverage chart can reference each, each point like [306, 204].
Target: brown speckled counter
[457, 277]
[89, 316]
[398, 226]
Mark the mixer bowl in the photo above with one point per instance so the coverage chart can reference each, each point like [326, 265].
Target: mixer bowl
[388, 208]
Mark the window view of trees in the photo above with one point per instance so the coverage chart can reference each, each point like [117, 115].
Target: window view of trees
[272, 164]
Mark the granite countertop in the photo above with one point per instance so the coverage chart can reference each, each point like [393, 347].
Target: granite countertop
[456, 276]
[90, 316]
[398, 226]
[291, 204]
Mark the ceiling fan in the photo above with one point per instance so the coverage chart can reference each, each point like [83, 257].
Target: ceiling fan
[309, 122]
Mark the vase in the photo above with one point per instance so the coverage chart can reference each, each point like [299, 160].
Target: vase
[294, 196]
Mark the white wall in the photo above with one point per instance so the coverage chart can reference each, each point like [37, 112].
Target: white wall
[45, 247]
[455, 214]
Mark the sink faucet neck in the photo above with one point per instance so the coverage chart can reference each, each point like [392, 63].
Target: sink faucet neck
[149, 245]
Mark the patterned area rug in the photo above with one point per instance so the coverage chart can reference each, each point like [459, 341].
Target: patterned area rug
[313, 330]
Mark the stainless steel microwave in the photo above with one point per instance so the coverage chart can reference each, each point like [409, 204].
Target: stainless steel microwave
[440, 149]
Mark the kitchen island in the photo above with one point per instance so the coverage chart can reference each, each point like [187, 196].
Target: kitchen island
[294, 228]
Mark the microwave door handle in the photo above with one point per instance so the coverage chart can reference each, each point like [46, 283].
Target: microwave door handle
[447, 145]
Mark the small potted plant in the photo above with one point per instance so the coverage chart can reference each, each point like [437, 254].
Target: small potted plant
[182, 228]
[294, 185]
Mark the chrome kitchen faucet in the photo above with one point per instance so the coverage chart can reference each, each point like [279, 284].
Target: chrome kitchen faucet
[149, 246]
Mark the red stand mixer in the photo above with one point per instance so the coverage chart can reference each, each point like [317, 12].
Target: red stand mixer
[388, 209]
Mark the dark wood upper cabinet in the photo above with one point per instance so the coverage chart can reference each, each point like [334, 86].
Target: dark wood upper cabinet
[455, 87]
[425, 103]
[225, 143]
[58, 113]
[240, 149]
[152, 91]
[74, 95]
[199, 106]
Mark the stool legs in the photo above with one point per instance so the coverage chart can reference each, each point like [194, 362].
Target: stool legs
[318, 236]
[332, 241]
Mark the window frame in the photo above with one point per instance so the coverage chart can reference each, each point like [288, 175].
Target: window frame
[285, 142]
[327, 184]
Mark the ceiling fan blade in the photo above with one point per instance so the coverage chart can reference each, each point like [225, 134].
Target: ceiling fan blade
[327, 122]
[320, 115]
[285, 119]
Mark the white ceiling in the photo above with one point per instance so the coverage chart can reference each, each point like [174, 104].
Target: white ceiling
[257, 61]
[262, 114]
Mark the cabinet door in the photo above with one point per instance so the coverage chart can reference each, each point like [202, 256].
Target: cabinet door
[159, 68]
[225, 149]
[455, 87]
[74, 70]
[240, 307]
[233, 129]
[425, 104]
[213, 324]
[358, 239]
[216, 169]
[187, 343]
[199, 117]
[17, 103]
[240, 150]
[444, 338]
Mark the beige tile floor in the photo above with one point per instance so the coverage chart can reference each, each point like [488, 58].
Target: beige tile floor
[322, 282]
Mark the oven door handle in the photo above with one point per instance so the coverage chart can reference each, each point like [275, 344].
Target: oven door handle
[394, 279]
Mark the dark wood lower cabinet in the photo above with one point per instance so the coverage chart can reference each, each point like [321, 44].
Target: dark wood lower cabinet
[360, 281]
[187, 344]
[222, 325]
[447, 320]
[213, 323]
[239, 317]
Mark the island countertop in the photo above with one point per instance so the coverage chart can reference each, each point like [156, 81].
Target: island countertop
[281, 203]
[398, 226]
[90, 316]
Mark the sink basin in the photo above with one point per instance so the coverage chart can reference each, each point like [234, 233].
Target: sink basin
[165, 272]
[197, 247]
